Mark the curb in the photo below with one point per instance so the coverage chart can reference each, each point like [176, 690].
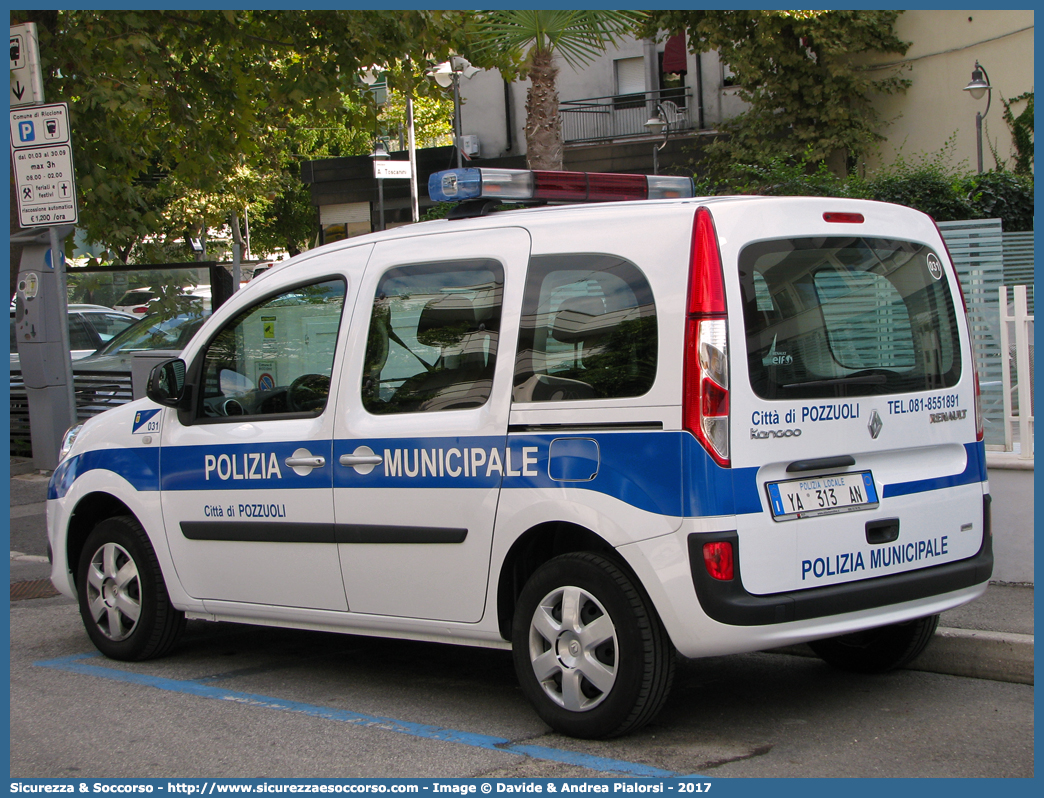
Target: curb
[1000, 656]
[997, 656]
[21, 465]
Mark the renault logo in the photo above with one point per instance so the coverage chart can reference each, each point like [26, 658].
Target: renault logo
[875, 425]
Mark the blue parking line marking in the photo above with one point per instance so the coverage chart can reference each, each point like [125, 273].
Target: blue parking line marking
[201, 689]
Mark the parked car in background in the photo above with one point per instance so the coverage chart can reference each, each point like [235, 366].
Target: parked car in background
[90, 327]
[141, 301]
[161, 330]
[102, 380]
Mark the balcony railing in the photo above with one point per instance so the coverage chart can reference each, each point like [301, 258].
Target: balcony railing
[624, 115]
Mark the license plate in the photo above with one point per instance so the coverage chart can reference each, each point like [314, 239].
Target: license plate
[821, 495]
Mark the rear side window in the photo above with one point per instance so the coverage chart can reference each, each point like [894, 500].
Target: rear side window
[432, 343]
[108, 324]
[80, 336]
[588, 330]
[829, 317]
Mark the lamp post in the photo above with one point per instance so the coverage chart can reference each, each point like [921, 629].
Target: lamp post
[369, 77]
[447, 74]
[979, 85]
[656, 125]
[380, 153]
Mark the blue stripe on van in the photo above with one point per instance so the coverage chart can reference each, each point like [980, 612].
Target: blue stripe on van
[646, 470]
[974, 471]
[139, 466]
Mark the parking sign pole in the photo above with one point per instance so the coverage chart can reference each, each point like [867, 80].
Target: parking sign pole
[45, 186]
[58, 264]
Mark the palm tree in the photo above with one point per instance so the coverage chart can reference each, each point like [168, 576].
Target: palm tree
[533, 39]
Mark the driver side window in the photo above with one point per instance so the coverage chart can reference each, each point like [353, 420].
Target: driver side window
[275, 357]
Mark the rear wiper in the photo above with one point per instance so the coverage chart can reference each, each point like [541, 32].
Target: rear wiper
[866, 379]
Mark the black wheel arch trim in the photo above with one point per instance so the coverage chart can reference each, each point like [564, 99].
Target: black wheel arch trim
[729, 602]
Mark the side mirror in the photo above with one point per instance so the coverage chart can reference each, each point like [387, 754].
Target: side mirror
[167, 383]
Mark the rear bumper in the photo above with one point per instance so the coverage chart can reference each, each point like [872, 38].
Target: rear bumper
[729, 603]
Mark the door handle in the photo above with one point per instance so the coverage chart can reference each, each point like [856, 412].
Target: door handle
[311, 461]
[363, 460]
[360, 459]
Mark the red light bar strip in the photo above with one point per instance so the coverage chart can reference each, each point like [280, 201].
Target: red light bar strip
[588, 186]
[559, 185]
[843, 218]
[606, 187]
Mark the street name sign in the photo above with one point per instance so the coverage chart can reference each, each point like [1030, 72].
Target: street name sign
[383, 169]
[43, 168]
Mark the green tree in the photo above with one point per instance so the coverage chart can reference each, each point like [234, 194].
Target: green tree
[188, 111]
[530, 39]
[802, 73]
[1021, 127]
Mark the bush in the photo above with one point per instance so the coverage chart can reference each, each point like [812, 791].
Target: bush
[929, 185]
[1007, 196]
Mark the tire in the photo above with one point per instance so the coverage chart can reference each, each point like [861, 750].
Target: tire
[590, 652]
[123, 598]
[877, 650]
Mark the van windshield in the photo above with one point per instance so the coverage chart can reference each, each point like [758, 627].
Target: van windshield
[847, 316]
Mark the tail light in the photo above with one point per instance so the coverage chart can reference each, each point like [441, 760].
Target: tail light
[718, 558]
[705, 404]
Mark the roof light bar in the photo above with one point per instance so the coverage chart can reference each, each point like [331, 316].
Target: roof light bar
[456, 185]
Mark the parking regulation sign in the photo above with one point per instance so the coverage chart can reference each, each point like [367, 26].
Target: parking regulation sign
[43, 168]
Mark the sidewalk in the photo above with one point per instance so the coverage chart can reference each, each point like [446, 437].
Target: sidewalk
[991, 638]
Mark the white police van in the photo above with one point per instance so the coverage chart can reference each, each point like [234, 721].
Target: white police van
[596, 434]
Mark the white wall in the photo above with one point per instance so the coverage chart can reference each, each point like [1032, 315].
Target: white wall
[945, 46]
[1012, 509]
[482, 111]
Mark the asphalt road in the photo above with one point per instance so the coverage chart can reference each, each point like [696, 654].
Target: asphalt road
[239, 701]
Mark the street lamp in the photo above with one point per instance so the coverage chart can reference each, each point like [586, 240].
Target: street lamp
[369, 76]
[980, 85]
[447, 74]
[656, 125]
[380, 153]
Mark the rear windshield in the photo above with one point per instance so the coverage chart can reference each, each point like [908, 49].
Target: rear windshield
[136, 298]
[829, 317]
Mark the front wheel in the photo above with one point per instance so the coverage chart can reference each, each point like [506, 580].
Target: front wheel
[877, 650]
[590, 652]
[123, 598]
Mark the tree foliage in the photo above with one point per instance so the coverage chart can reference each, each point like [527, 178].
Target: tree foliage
[178, 115]
[1021, 127]
[928, 184]
[801, 73]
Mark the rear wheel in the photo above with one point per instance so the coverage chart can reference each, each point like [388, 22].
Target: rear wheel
[123, 598]
[877, 650]
[591, 654]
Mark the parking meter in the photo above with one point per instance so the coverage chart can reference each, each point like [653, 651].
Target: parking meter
[42, 335]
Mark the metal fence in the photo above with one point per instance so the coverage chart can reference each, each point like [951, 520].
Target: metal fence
[987, 260]
[1016, 341]
[623, 115]
[96, 391]
[977, 249]
[1018, 262]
